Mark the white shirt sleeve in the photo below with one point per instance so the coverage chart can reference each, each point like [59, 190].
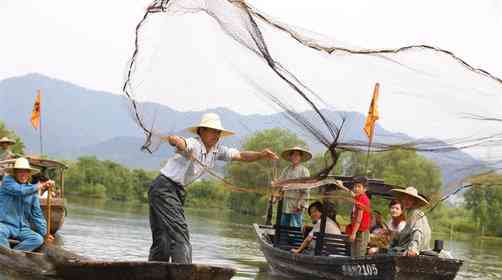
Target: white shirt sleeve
[316, 228]
[401, 226]
[226, 154]
[306, 172]
[191, 143]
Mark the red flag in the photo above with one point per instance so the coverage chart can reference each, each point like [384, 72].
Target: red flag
[36, 113]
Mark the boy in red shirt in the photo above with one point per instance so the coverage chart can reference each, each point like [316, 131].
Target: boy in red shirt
[358, 229]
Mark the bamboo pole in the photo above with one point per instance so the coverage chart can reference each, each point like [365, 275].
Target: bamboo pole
[49, 212]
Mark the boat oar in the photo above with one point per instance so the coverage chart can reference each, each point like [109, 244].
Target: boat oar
[49, 213]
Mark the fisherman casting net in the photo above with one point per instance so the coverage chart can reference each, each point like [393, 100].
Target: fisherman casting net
[431, 100]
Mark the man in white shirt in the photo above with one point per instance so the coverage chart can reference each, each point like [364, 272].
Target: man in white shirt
[170, 235]
[315, 212]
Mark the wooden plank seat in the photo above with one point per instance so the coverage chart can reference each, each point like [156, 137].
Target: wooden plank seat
[335, 244]
[289, 237]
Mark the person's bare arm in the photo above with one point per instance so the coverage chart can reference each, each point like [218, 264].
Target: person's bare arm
[304, 245]
[175, 141]
[359, 218]
[250, 156]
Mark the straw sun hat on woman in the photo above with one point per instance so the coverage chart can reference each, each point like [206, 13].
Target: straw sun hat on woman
[412, 193]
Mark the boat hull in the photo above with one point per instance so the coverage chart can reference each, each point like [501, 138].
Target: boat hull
[377, 267]
[57, 212]
[53, 262]
[142, 270]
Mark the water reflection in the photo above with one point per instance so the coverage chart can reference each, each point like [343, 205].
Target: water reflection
[108, 230]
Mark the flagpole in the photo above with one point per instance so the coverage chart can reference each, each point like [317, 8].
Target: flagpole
[367, 158]
[369, 126]
[40, 132]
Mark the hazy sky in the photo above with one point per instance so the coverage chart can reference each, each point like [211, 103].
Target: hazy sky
[89, 42]
[68, 39]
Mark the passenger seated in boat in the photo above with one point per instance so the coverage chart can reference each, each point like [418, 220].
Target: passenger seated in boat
[21, 208]
[416, 235]
[315, 212]
[294, 200]
[41, 178]
[5, 152]
[378, 226]
[395, 225]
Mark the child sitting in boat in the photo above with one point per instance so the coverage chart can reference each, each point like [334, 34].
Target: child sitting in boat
[315, 211]
[294, 200]
[21, 208]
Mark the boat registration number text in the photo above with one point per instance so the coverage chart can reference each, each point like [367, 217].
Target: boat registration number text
[360, 270]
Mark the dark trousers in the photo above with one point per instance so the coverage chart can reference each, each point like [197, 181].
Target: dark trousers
[171, 240]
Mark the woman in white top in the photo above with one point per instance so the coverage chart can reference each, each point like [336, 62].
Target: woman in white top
[394, 226]
[398, 221]
[315, 212]
[166, 196]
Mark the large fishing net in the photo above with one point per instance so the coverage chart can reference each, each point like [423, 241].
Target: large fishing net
[225, 51]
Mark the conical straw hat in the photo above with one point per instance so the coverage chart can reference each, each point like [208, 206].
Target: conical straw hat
[413, 193]
[7, 140]
[306, 155]
[211, 120]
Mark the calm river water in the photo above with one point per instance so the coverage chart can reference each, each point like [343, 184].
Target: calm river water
[109, 230]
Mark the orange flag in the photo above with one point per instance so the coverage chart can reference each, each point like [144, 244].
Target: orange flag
[35, 114]
[369, 126]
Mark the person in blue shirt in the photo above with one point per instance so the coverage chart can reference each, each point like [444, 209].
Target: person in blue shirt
[20, 208]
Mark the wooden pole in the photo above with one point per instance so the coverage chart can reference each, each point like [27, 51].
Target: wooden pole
[322, 230]
[367, 159]
[49, 212]
[270, 205]
[41, 140]
[278, 223]
[61, 184]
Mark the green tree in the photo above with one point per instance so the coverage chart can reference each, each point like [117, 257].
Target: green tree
[17, 148]
[106, 179]
[485, 202]
[258, 175]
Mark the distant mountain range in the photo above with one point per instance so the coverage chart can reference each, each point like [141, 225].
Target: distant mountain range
[79, 121]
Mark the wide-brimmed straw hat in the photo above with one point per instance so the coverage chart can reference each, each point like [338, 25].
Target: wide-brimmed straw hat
[211, 120]
[7, 140]
[21, 164]
[306, 155]
[412, 193]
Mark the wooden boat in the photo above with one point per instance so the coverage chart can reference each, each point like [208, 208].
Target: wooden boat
[331, 258]
[55, 206]
[52, 262]
[141, 270]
